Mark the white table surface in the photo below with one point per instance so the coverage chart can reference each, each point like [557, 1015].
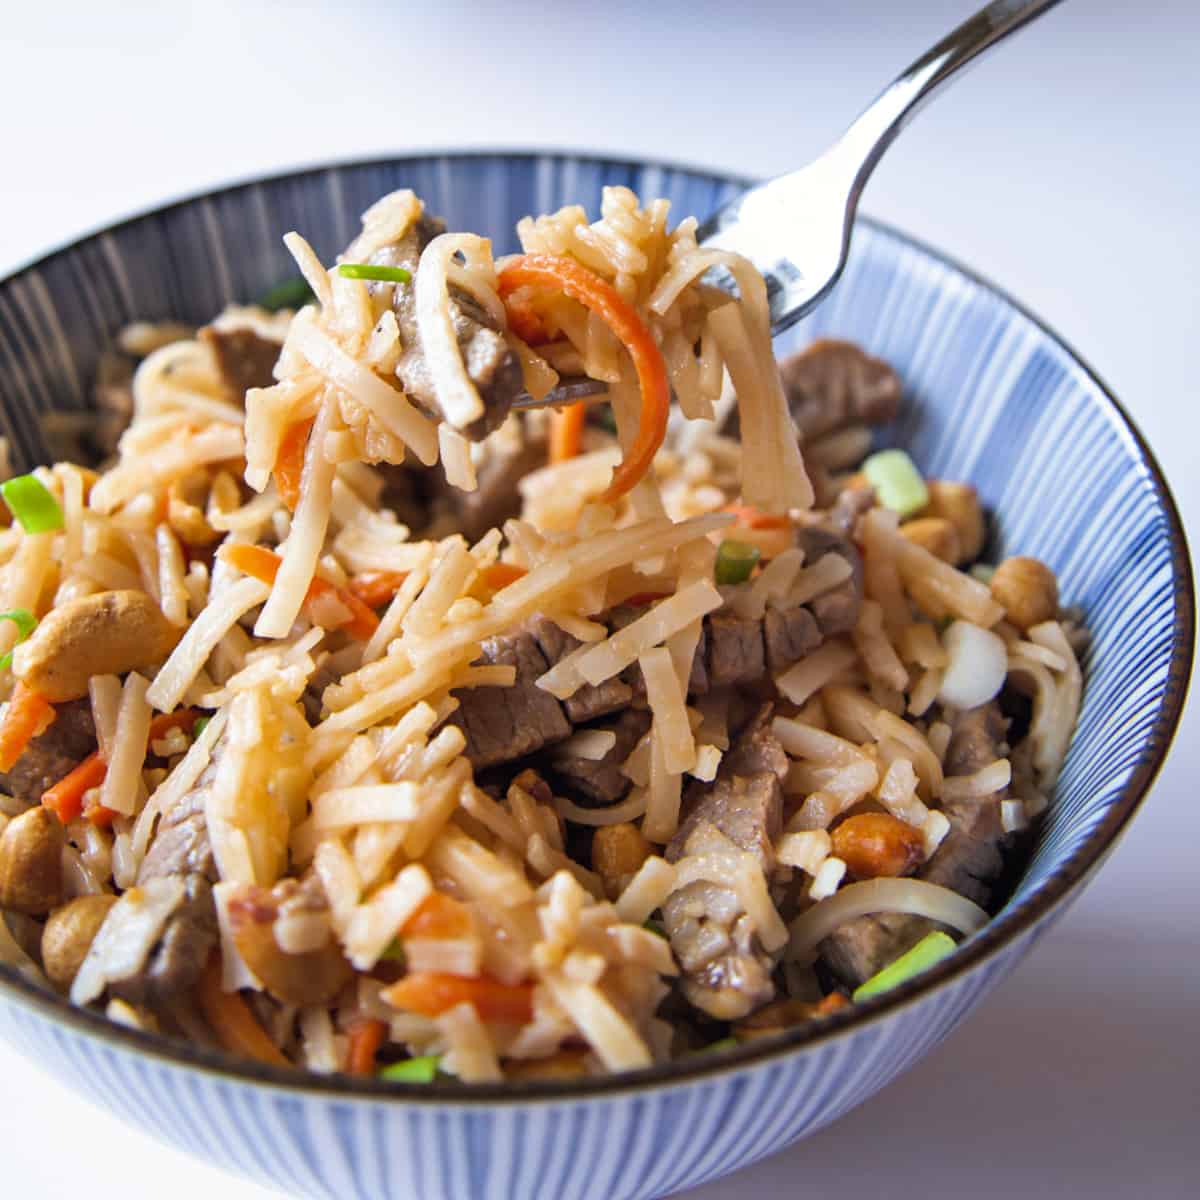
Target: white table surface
[1064, 168]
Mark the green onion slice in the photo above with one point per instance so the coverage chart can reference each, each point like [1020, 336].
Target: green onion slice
[932, 948]
[32, 504]
[719, 1046]
[897, 482]
[654, 926]
[394, 952]
[412, 1070]
[291, 293]
[25, 622]
[200, 726]
[378, 274]
[735, 561]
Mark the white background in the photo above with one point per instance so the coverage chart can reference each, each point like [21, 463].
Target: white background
[1064, 167]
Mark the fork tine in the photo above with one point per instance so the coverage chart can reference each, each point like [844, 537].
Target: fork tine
[570, 390]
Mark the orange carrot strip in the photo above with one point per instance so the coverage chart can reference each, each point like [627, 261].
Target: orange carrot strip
[439, 916]
[500, 575]
[376, 588]
[366, 1036]
[755, 518]
[524, 319]
[66, 796]
[600, 297]
[232, 1021]
[432, 993]
[289, 462]
[566, 433]
[28, 716]
[263, 564]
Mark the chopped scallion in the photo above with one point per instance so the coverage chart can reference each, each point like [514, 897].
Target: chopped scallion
[32, 504]
[897, 482]
[735, 561]
[717, 1047]
[394, 952]
[654, 926]
[291, 293]
[377, 274]
[607, 419]
[200, 726]
[932, 948]
[412, 1070]
[25, 622]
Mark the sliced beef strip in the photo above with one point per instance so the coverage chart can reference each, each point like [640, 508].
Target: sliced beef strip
[179, 956]
[601, 782]
[505, 723]
[832, 384]
[244, 357]
[54, 754]
[969, 860]
[836, 611]
[736, 654]
[727, 974]
[590, 701]
[789, 634]
[490, 362]
[181, 844]
[496, 498]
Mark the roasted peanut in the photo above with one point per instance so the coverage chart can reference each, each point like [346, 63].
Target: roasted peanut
[31, 877]
[566, 1064]
[935, 534]
[958, 503]
[1027, 591]
[69, 934]
[784, 1014]
[105, 634]
[874, 844]
[617, 852]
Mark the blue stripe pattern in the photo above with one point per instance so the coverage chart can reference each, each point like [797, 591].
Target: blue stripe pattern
[991, 397]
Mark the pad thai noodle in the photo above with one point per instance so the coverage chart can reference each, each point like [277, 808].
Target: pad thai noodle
[358, 720]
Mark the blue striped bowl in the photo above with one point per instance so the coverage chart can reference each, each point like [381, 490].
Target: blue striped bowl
[993, 397]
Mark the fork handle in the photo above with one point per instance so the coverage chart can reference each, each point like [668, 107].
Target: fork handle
[863, 144]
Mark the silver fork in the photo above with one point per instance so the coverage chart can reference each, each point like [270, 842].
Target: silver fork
[796, 228]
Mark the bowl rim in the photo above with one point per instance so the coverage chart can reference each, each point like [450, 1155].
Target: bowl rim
[1002, 931]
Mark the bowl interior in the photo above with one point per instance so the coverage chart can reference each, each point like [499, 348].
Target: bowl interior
[992, 397]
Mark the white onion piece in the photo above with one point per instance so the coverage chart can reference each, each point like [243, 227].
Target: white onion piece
[977, 666]
[914, 896]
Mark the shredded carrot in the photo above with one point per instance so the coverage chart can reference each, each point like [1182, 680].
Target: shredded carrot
[600, 297]
[28, 715]
[439, 916]
[232, 1021]
[289, 462]
[566, 433]
[376, 588]
[263, 564]
[432, 993]
[755, 518]
[499, 575]
[524, 319]
[366, 1036]
[66, 797]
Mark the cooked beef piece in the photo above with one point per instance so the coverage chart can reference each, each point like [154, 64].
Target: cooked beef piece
[506, 723]
[244, 357]
[849, 505]
[789, 634]
[181, 844]
[179, 956]
[496, 499]
[55, 754]
[735, 650]
[490, 362]
[832, 384]
[837, 610]
[969, 860]
[589, 702]
[727, 974]
[596, 783]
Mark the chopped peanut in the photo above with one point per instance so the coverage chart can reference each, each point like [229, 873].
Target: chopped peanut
[935, 534]
[958, 503]
[617, 852]
[874, 844]
[105, 634]
[1027, 590]
[69, 934]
